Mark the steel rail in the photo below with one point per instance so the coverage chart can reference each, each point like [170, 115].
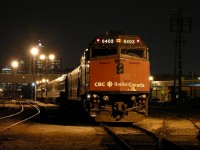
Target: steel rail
[118, 138]
[22, 109]
[38, 112]
[162, 143]
[184, 117]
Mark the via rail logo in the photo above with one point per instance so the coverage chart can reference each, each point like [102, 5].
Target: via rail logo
[119, 84]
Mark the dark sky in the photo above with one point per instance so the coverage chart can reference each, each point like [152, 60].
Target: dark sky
[67, 27]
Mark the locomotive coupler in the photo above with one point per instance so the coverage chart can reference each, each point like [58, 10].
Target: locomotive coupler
[119, 110]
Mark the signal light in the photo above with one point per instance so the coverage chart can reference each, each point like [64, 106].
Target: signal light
[98, 40]
[138, 40]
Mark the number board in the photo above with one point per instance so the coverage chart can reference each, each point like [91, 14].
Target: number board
[118, 41]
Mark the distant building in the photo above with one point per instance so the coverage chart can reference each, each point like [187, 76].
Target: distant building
[41, 66]
[164, 88]
[6, 70]
[5, 86]
[31, 65]
[48, 66]
[26, 67]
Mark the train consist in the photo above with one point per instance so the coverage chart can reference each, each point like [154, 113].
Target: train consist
[111, 82]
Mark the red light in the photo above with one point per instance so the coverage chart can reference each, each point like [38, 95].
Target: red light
[138, 40]
[98, 40]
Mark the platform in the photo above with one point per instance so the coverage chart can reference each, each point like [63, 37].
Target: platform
[44, 105]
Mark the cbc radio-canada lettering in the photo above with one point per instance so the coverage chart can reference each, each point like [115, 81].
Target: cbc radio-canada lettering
[111, 84]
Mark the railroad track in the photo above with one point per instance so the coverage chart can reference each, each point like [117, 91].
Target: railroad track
[173, 129]
[5, 110]
[10, 112]
[15, 118]
[133, 137]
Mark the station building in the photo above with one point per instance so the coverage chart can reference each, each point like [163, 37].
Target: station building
[165, 87]
[21, 79]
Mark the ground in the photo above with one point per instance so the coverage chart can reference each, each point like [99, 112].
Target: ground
[76, 135]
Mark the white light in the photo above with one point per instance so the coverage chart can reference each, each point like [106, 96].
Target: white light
[43, 80]
[133, 98]
[34, 51]
[15, 64]
[88, 65]
[143, 96]
[151, 78]
[51, 57]
[106, 98]
[94, 95]
[42, 56]
[88, 96]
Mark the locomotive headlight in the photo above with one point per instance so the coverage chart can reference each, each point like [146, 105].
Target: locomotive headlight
[143, 96]
[95, 96]
[106, 98]
[88, 96]
[133, 98]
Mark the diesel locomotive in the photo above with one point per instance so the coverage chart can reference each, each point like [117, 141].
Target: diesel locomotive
[112, 81]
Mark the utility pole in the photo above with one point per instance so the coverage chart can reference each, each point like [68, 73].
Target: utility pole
[179, 24]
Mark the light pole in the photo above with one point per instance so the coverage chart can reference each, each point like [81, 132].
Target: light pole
[34, 52]
[51, 57]
[14, 65]
[46, 82]
[151, 87]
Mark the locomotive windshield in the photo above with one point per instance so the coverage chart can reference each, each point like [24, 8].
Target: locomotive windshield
[103, 52]
[134, 52]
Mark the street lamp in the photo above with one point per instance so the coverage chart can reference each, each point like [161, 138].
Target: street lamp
[51, 57]
[151, 87]
[151, 78]
[14, 65]
[34, 52]
[46, 82]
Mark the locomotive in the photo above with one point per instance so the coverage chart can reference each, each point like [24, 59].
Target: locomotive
[112, 81]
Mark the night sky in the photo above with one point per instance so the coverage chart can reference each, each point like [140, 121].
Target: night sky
[66, 28]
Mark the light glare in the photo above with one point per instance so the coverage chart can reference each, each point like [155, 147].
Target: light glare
[34, 51]
[15, 64]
